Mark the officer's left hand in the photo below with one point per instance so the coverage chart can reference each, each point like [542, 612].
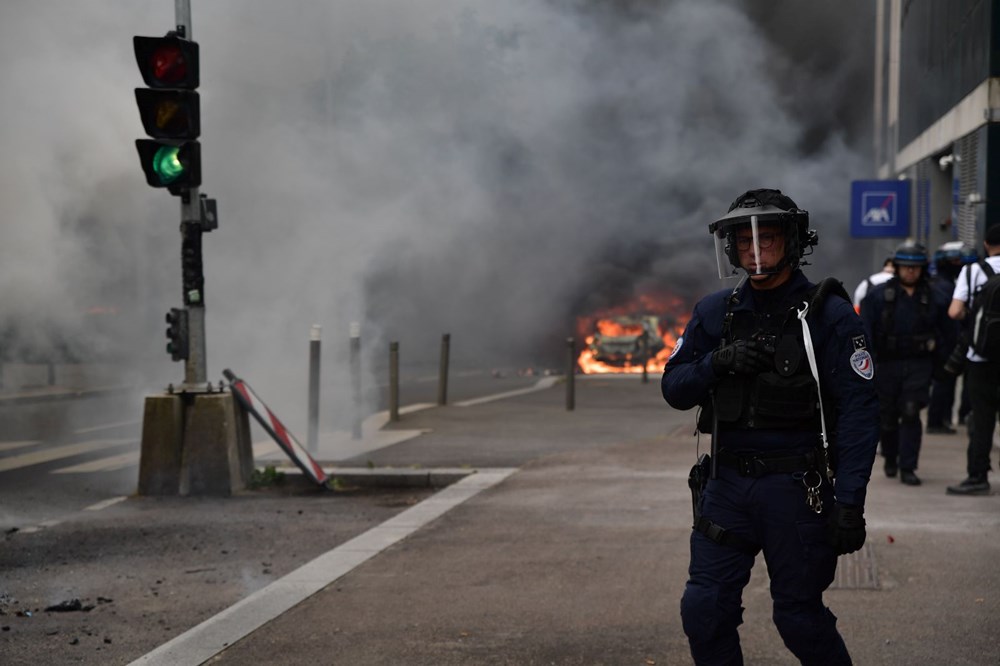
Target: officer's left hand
[846, 530]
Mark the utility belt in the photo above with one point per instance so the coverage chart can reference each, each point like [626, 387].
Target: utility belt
[899, 347]
[756, 465]
[812, 464]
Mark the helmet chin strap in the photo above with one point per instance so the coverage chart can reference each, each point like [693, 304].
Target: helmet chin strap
[774, 272]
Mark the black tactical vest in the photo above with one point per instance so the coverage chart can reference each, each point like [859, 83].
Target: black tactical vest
[782, 398]
[920, 339]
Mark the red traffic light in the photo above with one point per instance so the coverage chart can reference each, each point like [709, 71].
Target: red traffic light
[167, 62]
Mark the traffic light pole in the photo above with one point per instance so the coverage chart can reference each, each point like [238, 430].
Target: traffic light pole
[195, 365]
[195, 441]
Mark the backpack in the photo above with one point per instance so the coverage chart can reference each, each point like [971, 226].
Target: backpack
[986, 315]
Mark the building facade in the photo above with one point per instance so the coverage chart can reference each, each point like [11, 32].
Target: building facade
[937, 113]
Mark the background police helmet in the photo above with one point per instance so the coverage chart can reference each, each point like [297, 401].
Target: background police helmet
[769, 207]
[910, 253]
[967, 253]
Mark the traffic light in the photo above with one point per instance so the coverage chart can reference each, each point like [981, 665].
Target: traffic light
[177, 334]
[170, 112]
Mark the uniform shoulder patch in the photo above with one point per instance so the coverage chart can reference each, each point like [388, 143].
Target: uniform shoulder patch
[861, 363]
[676, 348]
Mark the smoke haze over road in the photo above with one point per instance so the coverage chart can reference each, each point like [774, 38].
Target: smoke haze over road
[484, 169]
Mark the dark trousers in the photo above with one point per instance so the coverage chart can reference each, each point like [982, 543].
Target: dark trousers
[903, 388]
[770, 511]
[943, 402]
[984, 391]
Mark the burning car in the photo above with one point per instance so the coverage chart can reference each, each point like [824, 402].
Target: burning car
[626, 340]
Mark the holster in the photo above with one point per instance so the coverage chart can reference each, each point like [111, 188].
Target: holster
[697, 480]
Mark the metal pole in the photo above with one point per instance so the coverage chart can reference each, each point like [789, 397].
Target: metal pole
[645, 359]
[314, 358]
[182, 15]
[393, 381]
[195, 366]
[356, 379]
[443, 370]
[571, 374]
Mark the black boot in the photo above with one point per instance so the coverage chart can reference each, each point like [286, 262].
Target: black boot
[909, 478]
[974, 485]
[891, 468]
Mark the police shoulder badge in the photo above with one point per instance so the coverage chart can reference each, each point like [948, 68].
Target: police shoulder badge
[861, 363]
[676, 348]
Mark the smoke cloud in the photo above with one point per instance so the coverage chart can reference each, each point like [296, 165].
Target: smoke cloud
[420, 168]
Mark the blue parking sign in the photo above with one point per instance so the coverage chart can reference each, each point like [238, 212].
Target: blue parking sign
[880, 208]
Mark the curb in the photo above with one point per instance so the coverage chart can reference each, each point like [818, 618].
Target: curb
[388, 477]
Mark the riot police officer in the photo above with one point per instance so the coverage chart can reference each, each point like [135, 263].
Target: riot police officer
[948, 260]
[749, 357]
[907, 320]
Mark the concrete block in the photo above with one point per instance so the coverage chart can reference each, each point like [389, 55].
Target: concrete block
[162, 438]
[217, 458]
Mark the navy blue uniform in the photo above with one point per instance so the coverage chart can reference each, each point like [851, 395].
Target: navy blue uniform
[942, 400]
[910, 334]
[771, 510]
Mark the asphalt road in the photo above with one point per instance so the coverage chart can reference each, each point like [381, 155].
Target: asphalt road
[576, 554]
[61, 453]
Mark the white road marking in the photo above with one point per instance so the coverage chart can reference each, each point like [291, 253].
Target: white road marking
[104, 504]
[201, 643]
[541, 385]
[108, 426]
[10, 446]
[264, 448]
[57, 452]
[52, 522]
[109, 464]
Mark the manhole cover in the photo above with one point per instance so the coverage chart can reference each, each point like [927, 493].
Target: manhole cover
[857, 571]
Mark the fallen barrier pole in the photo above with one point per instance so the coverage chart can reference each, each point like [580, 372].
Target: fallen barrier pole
[275, 428]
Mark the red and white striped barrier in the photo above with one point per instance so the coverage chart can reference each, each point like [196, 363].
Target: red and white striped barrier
[275, 428]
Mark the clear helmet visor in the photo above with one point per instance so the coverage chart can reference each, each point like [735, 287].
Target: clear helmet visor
[735, 243]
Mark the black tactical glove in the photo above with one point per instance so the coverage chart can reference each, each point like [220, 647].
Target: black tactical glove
[745, 357]
[940, 373]
[846, 530]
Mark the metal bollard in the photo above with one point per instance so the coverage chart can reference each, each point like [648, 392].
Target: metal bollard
[355, 362]
[645, 360]
[314, 357]
[393, 381]
[443, 370]
[571, 375]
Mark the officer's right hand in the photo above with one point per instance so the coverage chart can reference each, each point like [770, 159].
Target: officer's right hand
[742, 357]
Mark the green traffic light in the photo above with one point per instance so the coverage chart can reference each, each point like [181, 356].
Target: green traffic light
[167, 164]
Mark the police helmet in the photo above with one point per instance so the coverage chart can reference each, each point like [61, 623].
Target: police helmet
[765, 207]
[910, 253]
[955, 252]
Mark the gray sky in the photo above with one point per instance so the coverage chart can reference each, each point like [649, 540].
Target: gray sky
[441, 166]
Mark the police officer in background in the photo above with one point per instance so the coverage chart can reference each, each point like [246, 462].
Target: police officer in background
[746, 358]
[948, 262]
[907, 322]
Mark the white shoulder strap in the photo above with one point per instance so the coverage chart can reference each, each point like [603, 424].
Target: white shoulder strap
[811, 355]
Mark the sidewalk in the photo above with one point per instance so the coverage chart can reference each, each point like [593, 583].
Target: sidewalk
[573, 550]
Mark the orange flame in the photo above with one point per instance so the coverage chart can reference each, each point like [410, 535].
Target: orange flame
[671, 317]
